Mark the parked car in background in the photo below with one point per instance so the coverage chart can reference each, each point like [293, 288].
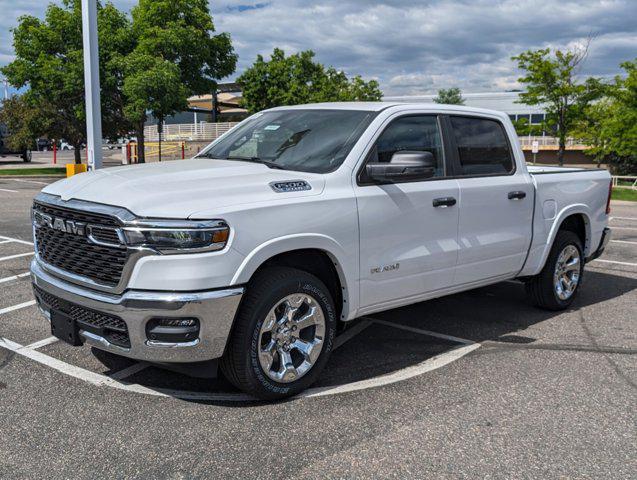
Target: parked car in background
[111, 145]
[43, 144]
[6, 151]
[300, 220]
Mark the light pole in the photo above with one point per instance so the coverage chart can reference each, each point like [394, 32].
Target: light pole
[6, 88]
[92, 85]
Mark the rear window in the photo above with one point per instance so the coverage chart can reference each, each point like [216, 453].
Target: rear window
[483, 148]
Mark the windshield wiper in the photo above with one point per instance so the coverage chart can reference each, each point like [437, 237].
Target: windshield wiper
[267, 163]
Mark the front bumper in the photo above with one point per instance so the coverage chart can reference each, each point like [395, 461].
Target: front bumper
[215, 310]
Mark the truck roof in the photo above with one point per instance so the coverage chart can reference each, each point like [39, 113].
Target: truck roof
[378, 106]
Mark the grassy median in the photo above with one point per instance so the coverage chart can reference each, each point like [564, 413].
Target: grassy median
[627, 194]
[27, 172]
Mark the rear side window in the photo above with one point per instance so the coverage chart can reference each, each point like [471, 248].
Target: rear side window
[483, 148]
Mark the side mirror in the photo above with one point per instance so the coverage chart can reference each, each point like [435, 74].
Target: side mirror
[404, 165]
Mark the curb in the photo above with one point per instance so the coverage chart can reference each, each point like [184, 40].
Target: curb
[31, 177]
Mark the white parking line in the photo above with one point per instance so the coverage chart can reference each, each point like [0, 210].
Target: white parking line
[128, 371]
[622, 218]
[7, 190]
[624, 228]
[18, 255]
[423, 332]
[42, 343]
[428, 365]
[17, 307]
[14, 277]
[616, 263]
[28, 181]
[102, 380]
[5, 241]
[97, 379]
[624, 241]
[351, 333]
[17, 240]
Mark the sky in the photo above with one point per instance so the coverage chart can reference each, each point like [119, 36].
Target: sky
[411, 47]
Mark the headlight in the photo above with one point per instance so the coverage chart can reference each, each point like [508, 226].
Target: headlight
[169, 236]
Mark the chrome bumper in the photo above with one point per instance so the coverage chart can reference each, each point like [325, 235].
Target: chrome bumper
[215, 310]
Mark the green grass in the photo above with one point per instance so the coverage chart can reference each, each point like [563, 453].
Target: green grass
[624, 194]
[33, 171]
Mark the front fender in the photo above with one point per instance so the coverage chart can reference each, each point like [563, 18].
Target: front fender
[346, 264]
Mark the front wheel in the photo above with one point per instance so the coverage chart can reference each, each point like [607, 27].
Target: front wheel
[555, 287]
[282, 336]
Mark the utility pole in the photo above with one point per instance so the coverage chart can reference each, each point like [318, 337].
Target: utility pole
[92, 85]
[6, 88]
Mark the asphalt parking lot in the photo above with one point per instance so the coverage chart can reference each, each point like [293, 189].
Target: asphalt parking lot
[474, 385]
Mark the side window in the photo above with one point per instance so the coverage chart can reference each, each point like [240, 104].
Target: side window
[414, 133]
[483, 148]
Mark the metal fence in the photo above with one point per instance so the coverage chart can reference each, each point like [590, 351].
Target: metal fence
[203, 131]
[550, 143]
[625, 181]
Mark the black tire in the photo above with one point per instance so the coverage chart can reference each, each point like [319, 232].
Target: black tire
[240, 363]
[541, 288]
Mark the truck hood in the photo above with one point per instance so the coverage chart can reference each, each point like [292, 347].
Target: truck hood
[178, 189]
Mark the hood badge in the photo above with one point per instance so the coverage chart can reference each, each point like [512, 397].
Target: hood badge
[290, 186]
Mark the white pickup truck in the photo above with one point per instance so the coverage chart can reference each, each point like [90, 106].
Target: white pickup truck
[299, 220]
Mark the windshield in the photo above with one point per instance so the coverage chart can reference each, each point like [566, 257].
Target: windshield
[304, 140]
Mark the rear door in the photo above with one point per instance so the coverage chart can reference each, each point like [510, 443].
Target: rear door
[408, 246]
[496, 200]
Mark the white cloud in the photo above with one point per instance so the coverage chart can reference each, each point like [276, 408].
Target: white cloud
[413, 46]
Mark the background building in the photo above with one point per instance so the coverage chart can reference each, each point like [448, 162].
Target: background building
[501, 101]
[507, 102]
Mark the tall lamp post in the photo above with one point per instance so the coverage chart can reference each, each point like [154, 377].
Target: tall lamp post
[92, 85]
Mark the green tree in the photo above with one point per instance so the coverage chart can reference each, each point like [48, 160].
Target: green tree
[609, 126]
[524, 127]
[450, 96]
[590, 129]
[551, 81]
[49, 61]
[176, 55]
[620, 125]
[298, 79]
[25, 121]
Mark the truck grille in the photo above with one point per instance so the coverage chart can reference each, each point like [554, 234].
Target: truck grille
[75, 253]
[110, 327]
[76, 215]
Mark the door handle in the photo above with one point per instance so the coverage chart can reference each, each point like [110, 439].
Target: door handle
[517, 195]
[444, 202]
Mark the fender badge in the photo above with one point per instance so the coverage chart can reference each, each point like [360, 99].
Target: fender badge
[385, 268]
[290, 186]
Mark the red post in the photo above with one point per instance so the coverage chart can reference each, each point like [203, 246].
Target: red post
[55, 151]
[128, 159]
[183, 150]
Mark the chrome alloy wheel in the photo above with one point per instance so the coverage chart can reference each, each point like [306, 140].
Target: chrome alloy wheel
[291, 338]
[567, 272]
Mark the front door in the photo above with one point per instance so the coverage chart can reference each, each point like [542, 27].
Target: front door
[408, 246]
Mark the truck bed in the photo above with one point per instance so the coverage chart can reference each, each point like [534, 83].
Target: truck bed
[561, 192]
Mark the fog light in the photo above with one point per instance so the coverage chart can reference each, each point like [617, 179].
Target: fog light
[172, 330]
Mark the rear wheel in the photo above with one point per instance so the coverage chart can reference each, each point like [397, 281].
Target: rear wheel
[283, 334]
[555, 287]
